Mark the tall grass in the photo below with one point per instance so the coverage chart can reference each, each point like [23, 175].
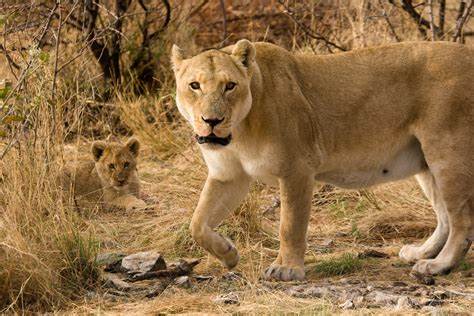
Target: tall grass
[47, 254]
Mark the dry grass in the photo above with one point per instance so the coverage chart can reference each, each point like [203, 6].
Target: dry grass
[47, 250]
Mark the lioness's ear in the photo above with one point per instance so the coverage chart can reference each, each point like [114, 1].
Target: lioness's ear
[134, 146]
[244, 51]
[177, 56]
[98, 149]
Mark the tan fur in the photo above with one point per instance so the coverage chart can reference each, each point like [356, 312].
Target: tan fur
[106, 180]
[353, 119]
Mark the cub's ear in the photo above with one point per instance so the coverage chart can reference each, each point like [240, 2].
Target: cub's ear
[177, 56]
[244, 51]
[134, 146]
[98, 148]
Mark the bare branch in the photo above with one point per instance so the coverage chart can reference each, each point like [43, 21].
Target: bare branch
[389, 23]
[224, 22]
[464, 12]
[310, 32]
[432, 25]
[442, 16]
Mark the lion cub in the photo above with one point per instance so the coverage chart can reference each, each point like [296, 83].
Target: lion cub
[109, 180]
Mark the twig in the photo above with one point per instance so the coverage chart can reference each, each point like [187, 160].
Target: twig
[463, 14]
[408, 7]
[56, 53]
[389, 23]
[442, 15]
[310, 32]
[432, 25]
[23, 76]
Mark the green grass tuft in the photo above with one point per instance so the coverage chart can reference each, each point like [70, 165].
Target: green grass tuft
[345, 264]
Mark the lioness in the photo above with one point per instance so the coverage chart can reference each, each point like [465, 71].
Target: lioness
[353, 119]
[110, 179]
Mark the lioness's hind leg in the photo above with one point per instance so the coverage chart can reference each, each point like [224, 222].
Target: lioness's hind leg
[456, 184]
[433, 245]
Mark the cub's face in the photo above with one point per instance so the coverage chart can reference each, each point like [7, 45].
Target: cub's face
[213, 91]
[115, 162]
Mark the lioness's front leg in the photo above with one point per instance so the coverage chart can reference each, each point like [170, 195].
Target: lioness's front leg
[217, 200]
[295, 192]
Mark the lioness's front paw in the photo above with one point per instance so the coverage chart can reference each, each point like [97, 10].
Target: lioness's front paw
[231, 258]
[432, 267]
[284, 273]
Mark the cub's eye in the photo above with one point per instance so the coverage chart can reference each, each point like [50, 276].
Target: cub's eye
[230, 86]
[111, 166]
[126, 164]
[195, 85]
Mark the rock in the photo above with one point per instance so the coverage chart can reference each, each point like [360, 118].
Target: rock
[113, 281]
[305, 291]
[382, 298]
[327, 243]
[229, 298]
[404, 302]
[202, 278]
[111, 261]
[156, 290]
[399, 283]
[176, 269]
[372, 253]
[424, 279]
[347, 305]
[232, 276]
[431, 302]
[183, 281]
[143, 262]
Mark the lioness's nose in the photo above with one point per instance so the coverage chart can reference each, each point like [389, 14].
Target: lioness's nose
[212, 121]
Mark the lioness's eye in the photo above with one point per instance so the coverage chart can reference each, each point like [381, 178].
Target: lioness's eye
[111, 166]
[230, 86]
[194, 85]
[126, 164]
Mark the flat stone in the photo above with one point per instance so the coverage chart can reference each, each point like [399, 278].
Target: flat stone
[423, 279]
[183, 281]
[202, 278]
[347, 305]
[229, 298]
[143, 262]
[385, 298]
[372, 253]
[404, 302]
[112, 261]
[115, 282]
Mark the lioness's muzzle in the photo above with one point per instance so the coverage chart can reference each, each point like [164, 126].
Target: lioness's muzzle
[213, 139]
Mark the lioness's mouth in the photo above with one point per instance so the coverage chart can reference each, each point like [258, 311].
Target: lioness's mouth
[213, 139]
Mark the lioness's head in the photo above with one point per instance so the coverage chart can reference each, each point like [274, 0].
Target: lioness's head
[115, 162]
[213, 90]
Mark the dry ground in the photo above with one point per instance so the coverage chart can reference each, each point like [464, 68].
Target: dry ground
[343, 222]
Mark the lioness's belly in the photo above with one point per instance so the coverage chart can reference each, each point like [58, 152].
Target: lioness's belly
[406, 162]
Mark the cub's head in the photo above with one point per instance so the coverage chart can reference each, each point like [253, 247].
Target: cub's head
[213, 90]
[115, 162]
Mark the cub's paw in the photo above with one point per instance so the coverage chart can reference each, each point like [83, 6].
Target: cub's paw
[136, 205]
[284, 273]
[431, 267]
